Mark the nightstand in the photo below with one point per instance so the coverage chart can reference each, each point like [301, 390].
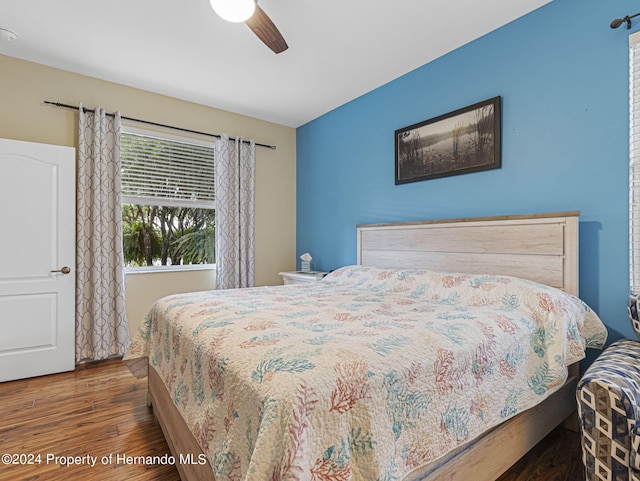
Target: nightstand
[299, 277]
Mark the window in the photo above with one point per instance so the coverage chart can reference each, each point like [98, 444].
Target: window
[634, 162]
[168, 200]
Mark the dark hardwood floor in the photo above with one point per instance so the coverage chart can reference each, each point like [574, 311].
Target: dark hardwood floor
[98, 414]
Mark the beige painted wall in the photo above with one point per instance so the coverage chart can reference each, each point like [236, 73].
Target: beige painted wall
[143, 288]
[23, 116]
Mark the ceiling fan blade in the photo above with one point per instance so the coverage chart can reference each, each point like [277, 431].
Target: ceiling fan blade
[266, 31]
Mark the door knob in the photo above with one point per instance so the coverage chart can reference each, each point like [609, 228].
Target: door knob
[64, 270]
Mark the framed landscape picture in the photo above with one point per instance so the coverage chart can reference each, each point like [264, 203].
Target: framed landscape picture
[465, 140]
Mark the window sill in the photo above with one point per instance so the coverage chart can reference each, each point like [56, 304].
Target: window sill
[160, 269]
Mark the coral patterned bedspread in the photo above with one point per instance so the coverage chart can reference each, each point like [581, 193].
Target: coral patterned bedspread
[367, 375]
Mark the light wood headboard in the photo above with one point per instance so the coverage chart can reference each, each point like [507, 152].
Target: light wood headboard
[538, 247]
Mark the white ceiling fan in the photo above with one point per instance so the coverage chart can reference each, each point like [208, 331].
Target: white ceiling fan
[249, 12]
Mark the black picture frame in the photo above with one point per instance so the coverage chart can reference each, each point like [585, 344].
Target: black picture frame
[465, 140]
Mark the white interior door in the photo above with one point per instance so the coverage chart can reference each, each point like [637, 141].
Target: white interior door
[37, 259]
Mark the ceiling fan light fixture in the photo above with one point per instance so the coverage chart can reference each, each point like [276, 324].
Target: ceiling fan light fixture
[234, 10]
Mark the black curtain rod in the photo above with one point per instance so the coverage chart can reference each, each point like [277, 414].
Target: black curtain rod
[131, 119]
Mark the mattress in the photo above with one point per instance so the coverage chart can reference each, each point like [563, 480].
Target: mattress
[369, 374]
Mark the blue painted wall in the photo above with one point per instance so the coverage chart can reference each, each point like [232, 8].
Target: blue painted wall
[562, 73]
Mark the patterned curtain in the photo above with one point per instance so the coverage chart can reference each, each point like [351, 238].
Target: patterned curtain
[235, 205]
[101, 316]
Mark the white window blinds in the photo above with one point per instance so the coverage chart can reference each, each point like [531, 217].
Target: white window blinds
[634, 162]
[166, 171]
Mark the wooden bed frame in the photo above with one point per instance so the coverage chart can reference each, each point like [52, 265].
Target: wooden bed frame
[539, 247]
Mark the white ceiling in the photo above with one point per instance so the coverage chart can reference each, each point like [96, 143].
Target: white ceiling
[338, 49]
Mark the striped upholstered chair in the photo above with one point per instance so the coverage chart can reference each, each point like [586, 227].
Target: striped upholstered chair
[608, 398]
